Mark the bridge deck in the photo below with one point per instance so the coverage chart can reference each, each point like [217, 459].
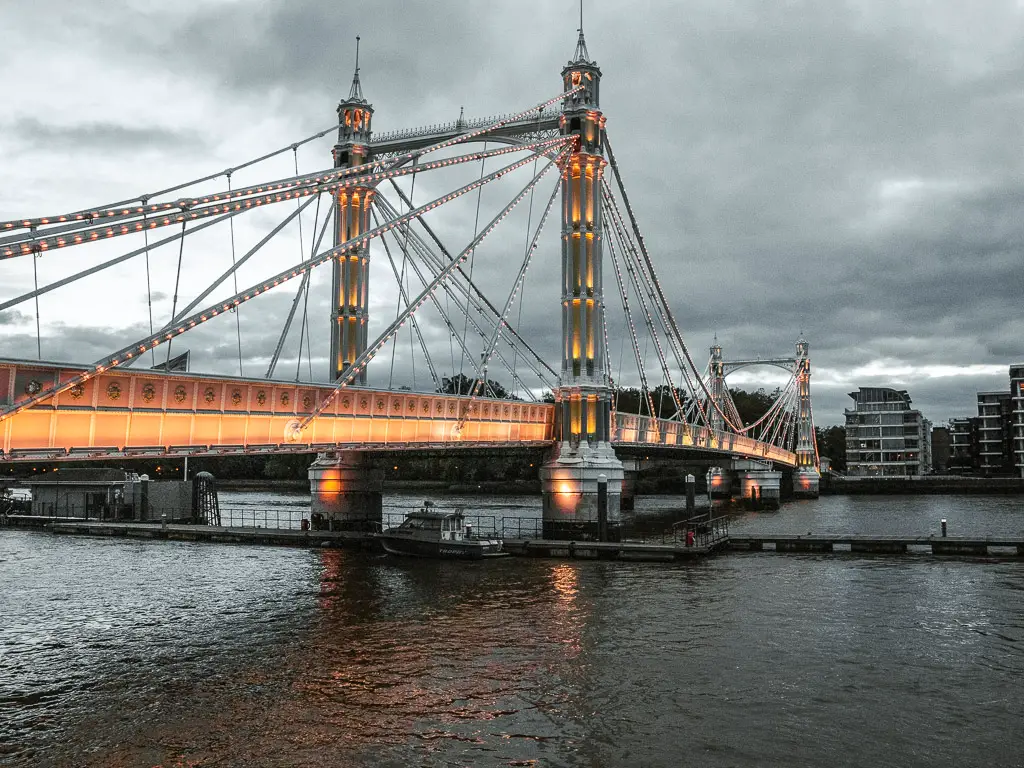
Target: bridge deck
[138, 413]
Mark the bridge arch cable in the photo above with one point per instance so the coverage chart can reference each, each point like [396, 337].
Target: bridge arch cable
[649, 321]
[185, 324]
[434, 264]
[75, 228]
[534, 360]
[121, 222]
[350, 373]
[676, 334]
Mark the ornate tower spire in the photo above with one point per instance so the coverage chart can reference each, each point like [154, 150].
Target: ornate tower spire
[355, 93]
[581, 56]
[351, 274]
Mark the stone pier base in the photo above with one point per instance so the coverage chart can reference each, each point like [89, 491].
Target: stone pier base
[569, 487]
[719, 483]
[760, 488]
[346, 492]
[805, 483]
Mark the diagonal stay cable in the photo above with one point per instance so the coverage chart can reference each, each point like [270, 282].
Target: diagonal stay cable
[487, 302]
[435, 263]
[186, 324]
[298, 294]
[349, 374]
[405, 297]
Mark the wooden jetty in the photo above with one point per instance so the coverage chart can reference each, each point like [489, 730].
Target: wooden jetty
[998, 546]
[669, 550]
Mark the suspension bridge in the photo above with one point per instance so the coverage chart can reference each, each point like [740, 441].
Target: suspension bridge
[132, 403]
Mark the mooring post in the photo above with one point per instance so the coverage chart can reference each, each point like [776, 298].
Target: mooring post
[602, 507]
[943, 527]
[691, 496]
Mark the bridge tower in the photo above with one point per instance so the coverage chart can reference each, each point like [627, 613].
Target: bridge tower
[583, 398]
[351, 271]
[807, 475]
[717, 387]
[346, 490]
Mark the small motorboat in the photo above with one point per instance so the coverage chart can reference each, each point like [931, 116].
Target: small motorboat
[433, 532]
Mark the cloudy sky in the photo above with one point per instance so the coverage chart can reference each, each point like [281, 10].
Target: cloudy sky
[852, 170]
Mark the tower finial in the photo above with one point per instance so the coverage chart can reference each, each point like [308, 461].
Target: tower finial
[355, 93]
[582, 55]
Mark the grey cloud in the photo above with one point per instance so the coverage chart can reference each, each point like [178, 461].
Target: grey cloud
[840, 169]
[108, 137]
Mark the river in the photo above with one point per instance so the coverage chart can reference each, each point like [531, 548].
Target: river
[130, 653]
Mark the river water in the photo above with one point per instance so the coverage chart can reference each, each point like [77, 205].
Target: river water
[129, 653]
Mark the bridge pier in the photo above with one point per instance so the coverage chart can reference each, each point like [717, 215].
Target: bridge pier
[806, 481]
[719, 483]
[346, 491]
[759, 487]
[569, 488]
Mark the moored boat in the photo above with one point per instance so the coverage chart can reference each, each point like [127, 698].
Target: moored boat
[433, 532]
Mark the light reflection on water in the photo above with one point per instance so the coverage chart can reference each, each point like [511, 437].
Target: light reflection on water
[121, 653]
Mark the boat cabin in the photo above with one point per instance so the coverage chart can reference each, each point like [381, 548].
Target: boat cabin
[443, 525]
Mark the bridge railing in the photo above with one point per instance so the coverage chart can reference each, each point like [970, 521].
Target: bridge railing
[632, 429]
[465, 124]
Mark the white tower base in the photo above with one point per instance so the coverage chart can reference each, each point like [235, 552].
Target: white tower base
[569, 486]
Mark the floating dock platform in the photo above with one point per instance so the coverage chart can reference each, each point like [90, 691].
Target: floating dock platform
[998, 546]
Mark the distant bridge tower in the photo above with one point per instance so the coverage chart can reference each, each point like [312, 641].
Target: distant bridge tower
[717, 387]
[584, 396]
[807, 475]
[351, 275]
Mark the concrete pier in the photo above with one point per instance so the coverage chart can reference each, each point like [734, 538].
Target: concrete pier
[806, 482]
[569, 488]
[346, 492]
[760, 488]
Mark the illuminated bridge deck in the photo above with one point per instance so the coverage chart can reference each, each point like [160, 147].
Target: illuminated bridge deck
[126, 413]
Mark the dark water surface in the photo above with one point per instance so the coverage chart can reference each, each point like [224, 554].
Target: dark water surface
[124, 653]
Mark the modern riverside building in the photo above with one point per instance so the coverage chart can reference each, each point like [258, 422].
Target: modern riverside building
[995, 433]
[885, 437]
[940, 449]
[1017, 413]
[964, 448]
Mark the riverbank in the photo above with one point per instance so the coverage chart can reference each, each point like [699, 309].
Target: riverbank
[926, 485]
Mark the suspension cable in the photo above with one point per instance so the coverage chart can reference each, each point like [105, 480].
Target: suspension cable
[295, 302]
[472, 261]
[481, 296]
[349, 374]
[177, 282]
[234, 275]
[435, 263]
[166, 334]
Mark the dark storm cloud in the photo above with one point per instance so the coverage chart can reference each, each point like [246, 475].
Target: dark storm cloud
[13, 317]
[851, 170]
[105, 137]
